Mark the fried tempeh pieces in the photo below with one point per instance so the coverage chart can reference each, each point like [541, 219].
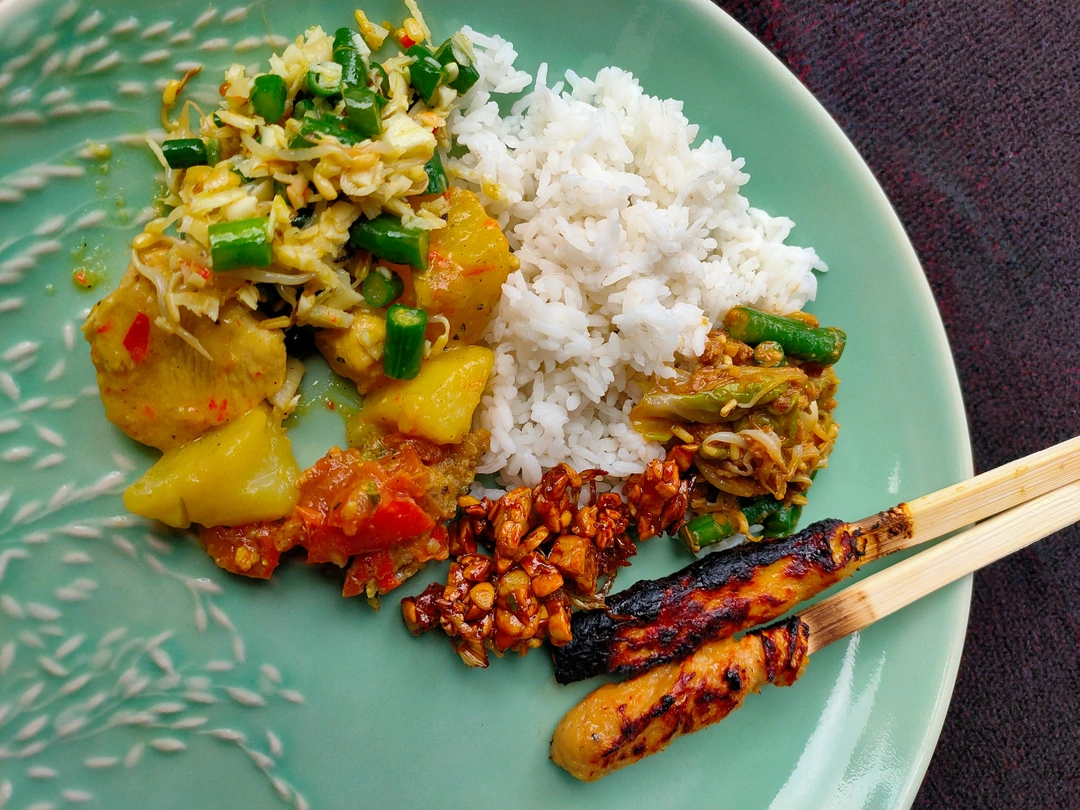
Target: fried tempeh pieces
[661, 620]
[621, 723]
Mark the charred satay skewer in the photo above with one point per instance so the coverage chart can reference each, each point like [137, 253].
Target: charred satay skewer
[655, 621]
[621, 723]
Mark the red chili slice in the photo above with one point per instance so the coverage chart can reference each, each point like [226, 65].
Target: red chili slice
[137, 339]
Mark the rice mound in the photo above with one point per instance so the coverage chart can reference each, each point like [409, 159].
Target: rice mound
[632, 242]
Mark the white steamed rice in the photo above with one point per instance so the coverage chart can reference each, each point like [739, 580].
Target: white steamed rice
[632, 243]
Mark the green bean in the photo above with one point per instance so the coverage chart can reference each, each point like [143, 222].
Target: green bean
[302, 107]
[706, 530]
[467, 74]
[349, 51]
[404, 349]
[346, 38]
[386, 238]
[382, 287]
[426, 73]
[437, 182]
[313, 123]
[322, 81]
[712, 527]
[353, 69]
[213, 151]
[782, 522]
[241, 243]
[181, 153]
[756, 510]
[362, 110]
[268, 97]
[383, 82]
[822, 345]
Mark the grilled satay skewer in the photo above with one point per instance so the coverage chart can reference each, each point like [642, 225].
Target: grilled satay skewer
[655, 621]
[621, 723]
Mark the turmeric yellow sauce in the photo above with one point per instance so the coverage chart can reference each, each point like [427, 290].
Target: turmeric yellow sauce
[310, 205]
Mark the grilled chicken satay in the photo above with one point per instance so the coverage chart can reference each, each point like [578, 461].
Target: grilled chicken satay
[661, 620]
[620, 723]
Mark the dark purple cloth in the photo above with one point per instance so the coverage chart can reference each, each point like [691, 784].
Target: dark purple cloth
[969, 115]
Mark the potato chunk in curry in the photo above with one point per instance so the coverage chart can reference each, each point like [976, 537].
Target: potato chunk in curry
[438, 403]
[239, 473]
[159, 390]
[468, 262]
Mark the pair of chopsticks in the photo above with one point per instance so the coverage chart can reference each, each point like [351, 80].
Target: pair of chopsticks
[1018, 504]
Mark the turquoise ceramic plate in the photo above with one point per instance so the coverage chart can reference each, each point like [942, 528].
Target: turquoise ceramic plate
[133, 673]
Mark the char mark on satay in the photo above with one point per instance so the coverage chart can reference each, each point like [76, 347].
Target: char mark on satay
[661, 620]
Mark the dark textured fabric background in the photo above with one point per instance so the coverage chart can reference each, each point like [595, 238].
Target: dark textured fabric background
[969, 115]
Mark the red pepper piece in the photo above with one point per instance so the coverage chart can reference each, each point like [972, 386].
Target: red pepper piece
[137, 339]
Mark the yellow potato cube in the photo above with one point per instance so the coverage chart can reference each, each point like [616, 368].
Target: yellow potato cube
[239, 473]
[468, 262]
[438, 403]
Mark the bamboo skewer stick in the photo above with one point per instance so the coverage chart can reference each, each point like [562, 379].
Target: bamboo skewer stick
[620, 723]
[885, 592]
[967, 502]
[668, 618]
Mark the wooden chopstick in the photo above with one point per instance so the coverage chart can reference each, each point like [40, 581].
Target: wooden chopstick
[907, 581]
[960, 505]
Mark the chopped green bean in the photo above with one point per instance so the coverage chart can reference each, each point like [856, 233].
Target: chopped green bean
[756, 510]
[213, 151]
[241, 243]
[404, 351]
[324, 80]
[822, 345]
[181, 153]
[437, 182]
[383, 82]
[386, 238]
[454, 51]
[268, 97]
[782, 522]
[353, 69]
[363, 111]
[706, 530]
[325, 125]
[302, 107]
[346, 38]
[382, 287]
[350, 51]
[426, 73]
